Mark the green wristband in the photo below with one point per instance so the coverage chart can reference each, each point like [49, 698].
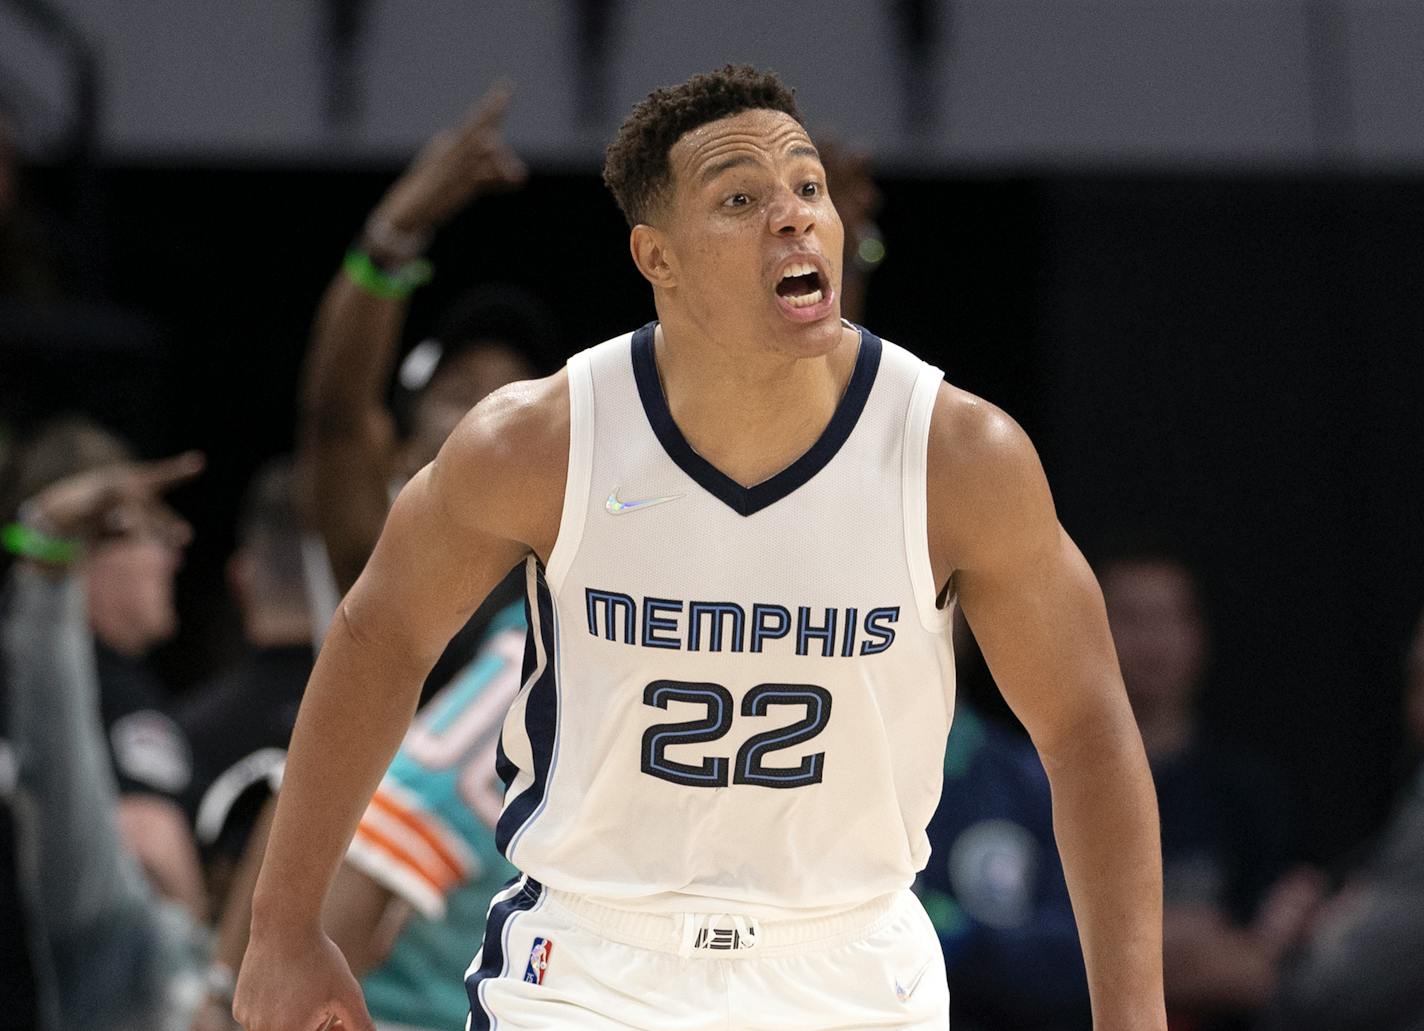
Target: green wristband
[25, 542]
[393, 286]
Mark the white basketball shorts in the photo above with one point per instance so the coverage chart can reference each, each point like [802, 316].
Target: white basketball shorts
[553, 960]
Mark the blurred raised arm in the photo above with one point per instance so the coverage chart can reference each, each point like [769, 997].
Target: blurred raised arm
[347, 452]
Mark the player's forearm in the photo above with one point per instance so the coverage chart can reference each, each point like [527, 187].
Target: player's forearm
[356, 708]
[1105, 820]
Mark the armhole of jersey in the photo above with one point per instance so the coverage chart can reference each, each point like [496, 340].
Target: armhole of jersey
[915, 492]
[580, 473]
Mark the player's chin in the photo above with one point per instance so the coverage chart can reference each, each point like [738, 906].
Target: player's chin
[809, 336]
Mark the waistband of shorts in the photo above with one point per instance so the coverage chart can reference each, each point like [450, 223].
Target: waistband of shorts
[669, 932]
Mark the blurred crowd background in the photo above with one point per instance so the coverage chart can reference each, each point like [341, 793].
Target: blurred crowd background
[1181, 242]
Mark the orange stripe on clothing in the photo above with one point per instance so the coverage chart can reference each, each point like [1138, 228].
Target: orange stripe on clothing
[441, 884]
[421, 829]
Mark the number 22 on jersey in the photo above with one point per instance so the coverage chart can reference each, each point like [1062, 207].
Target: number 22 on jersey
[748, 766]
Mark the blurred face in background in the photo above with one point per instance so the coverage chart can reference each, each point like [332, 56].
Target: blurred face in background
[130, 584]
[460, 382]
[1159, 632]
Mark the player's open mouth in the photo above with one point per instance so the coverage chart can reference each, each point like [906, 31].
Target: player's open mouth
[800, 285]
[803, 291]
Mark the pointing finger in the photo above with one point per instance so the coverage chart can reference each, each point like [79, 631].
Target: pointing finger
[167, 473]
[489, 110]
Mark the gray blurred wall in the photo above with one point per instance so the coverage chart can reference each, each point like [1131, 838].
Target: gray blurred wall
[1015, 83]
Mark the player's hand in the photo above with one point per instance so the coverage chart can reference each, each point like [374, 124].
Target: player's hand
[291, 982]
[456, 166]
[115, 500]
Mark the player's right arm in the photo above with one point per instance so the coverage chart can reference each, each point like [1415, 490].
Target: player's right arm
[492, 496]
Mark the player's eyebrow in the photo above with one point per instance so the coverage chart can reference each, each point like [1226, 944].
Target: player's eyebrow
[800, 150]
[713, 171]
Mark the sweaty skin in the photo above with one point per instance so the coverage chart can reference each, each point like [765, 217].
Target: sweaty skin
[751, 387]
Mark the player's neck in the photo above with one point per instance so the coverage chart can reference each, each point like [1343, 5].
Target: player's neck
[749, 411]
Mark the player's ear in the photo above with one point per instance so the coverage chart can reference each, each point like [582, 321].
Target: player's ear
[652, 256]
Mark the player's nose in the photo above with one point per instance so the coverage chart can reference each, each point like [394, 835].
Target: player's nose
[792, 214]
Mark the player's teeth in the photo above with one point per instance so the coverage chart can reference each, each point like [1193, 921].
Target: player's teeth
[805, 300]
[798, 270]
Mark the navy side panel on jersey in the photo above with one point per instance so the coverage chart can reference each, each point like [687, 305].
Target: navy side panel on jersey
[541, 716]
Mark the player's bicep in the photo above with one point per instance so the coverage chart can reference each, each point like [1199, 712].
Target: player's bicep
[432, 566]
[1029, 596]
[1041, 625]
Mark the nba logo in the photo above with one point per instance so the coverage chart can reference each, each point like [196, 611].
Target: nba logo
[538, 961]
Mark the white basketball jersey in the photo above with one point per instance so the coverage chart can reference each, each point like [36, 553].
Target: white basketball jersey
[731, 693]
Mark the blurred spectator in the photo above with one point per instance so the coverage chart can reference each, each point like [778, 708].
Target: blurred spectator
[129, 576]
[354, 451]
[412, 896]
[857, 201]
[1363, 967]
[239, 723]
[1233, 905]
[994, 886]
[350, 451]
[21, 995]
[100, 952]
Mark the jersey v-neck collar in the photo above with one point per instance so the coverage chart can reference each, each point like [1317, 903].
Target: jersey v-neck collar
[748, 500]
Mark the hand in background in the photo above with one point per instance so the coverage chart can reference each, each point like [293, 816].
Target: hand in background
[456, 166]
[1289, 910]
[115, 500]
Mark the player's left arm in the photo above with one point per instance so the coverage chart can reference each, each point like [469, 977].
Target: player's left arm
[1038, 615]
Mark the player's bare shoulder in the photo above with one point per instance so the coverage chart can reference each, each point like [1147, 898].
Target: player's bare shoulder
[504, 467]
[985, 482]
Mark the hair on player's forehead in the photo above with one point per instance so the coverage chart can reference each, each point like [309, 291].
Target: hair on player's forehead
[636, 167]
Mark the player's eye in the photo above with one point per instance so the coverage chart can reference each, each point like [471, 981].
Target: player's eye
[737, 200]
[811, 189]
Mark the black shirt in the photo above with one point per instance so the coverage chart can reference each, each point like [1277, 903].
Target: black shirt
[239, 724]
[149, 752]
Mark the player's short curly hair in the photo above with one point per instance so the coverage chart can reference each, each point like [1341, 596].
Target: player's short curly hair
[636, 166]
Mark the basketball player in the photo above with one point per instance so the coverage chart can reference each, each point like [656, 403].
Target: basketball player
[744, 529]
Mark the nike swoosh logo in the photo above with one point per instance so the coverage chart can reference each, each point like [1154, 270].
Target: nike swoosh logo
[617, 507]
[902, 992]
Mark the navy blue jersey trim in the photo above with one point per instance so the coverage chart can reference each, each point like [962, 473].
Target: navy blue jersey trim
[747, 500]
[493, 959]
[541, 719]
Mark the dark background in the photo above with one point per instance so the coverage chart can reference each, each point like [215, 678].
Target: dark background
[1232, 362]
